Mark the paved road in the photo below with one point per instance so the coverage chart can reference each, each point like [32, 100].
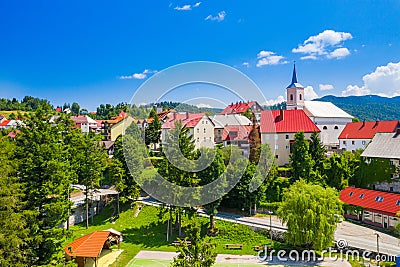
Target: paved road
[355, 235]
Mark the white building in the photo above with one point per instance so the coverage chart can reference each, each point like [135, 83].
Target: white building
[330, 119]
[85, 123]
[200, 126]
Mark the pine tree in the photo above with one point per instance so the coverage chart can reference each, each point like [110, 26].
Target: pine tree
[46, 176]
[317, 151]
[153, 131]
[255, 142]
[13, 231]
[300, 160]
[199, 253]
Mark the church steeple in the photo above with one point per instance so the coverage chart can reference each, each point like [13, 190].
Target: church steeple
[295, 93]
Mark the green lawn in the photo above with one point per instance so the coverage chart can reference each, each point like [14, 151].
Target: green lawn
[147, 232]
[165, 263]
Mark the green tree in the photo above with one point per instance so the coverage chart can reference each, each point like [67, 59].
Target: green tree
[199, 253]
[210, 174]
[248, 114]
[336, 171]
[46, 176]
[13, 231]
[317, 151]
[153, 131]
[309, 212]
[255, 142]
[75, 108]
[300, 160]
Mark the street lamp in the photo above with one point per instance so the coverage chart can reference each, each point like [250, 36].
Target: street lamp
[377, 247]
[270, 225]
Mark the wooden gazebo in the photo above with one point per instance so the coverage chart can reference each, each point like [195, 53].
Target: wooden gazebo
[90, 246]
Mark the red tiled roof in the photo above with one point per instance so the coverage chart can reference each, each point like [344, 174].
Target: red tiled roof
[13, 133]
[293, 122]
[351, 195]
[190, 122]
[58, 109]
[242, 132]
[367, 130]
[89, 245]
[238, 108]
[4, 123]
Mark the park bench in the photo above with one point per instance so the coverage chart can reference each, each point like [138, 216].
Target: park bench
[233, 246]
[176, 243]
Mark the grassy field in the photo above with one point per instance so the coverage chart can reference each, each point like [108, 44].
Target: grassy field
[165, 263]
[7, 113]
[147, 232]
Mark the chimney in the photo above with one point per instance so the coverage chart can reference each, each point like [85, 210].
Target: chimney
[281, 115]
[187, 115]
[363, 125]
[376, 123]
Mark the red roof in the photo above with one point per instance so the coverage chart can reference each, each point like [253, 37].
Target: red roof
[293, 122]
[188, 119]
[58, 109]
[238, 107]
[236, 133]
[367, 130]
[89, 245]
[4, 123]
[13, 133]
[388, 202]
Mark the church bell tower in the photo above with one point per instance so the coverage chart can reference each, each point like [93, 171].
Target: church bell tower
[294, 93]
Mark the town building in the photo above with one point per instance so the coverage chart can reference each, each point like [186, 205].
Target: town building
[357, 135]
[242, 106]
[330, 119]
[278, 129]
[372, 207]
[221, 121]
[200, 126]
[116, 126]
[85, 123]
[386, 146]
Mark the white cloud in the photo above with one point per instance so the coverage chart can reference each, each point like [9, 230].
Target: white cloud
[269, 58]
[138, 76]
[327, 43]
[202, 105]
[272, 102]
[339, 53]
[325, 87]
[246, 64]
[309, 93]
[219, 17]
[385, 80]
[187, 7]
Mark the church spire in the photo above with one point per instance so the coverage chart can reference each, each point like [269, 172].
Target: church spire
[294, 77]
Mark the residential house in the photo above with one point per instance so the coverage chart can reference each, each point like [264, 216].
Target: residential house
[330, 119]
[386, 146]
[371, 207]
[200, 126]
[357, 135]
[117, 126]
[241, 107]
[85, 123]
[221, 121]
[278, 128]
[237, 135]
[7, 124]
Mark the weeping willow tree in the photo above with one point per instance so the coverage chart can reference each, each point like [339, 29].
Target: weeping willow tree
[309, 212]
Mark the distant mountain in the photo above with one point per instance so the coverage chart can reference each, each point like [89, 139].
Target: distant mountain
[369, 107]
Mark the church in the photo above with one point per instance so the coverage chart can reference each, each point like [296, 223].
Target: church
[329, 118]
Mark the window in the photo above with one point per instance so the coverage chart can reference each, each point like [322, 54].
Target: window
[379, 199]
[393, 221]
[352, 142]
[276, 137]
[267, 137]
[198, 130]
[276, 147]
[204, 138]
[398, 203]
[291, 97]
[287, 147]
[198, 139]
[367, 216]
[276, 156]
[377, 218]
[325, 128]
[204, 130]
[287, 137]
[344, 142]
[206, 122]
[351, 193]
[300, 97]
[391, 189]
[361, 196]
[336, 128]
[363, 142]
[219, 131]
[202, 122]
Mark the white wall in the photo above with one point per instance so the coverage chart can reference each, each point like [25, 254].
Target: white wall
[330, 128]
[353, 144]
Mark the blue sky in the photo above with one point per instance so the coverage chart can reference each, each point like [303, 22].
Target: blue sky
[97, 52]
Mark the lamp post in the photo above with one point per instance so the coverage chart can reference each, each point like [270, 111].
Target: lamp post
[270, 225]
[377, 247]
